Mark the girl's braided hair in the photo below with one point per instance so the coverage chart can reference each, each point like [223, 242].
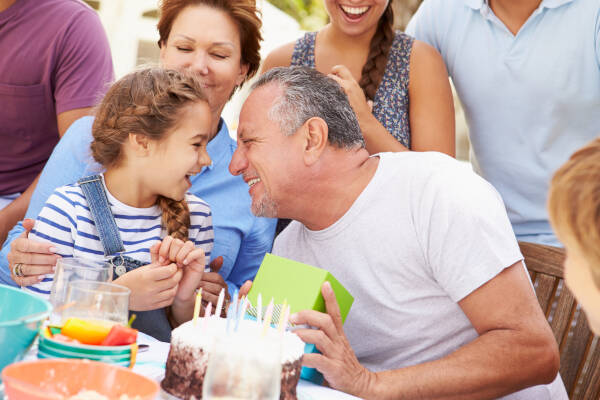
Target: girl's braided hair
[146, 102]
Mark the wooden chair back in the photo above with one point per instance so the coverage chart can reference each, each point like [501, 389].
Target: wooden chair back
[579, 348]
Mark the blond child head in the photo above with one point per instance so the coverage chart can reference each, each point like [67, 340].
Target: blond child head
[574, 207]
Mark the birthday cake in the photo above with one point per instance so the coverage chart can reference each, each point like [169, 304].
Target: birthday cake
[193, 342]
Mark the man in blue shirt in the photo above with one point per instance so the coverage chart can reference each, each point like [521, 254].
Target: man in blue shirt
[240, 238]
[528, 75]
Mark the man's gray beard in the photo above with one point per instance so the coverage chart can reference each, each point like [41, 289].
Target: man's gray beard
[265, 208]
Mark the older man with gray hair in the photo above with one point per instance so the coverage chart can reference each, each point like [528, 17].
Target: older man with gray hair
[443, 305]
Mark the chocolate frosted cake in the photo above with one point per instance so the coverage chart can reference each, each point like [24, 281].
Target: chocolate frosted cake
[191, 345]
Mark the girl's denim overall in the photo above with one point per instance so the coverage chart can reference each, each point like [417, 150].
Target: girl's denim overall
[153, 322]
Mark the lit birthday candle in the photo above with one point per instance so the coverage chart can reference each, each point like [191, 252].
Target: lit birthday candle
[268, 316]
[232, 312]
[241, 312]
[197, 306]
[281, 309]
[283, 317]
[206, 314]
[259, 309]
[220, 303]
[236, 302]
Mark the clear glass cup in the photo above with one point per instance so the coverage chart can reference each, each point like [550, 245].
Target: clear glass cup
[243, 367]
[100, 301]
[72, 269]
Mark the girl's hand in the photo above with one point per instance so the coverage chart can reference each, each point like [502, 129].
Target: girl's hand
[187, 257]
[152, 286]
[182, 309]
[193, 271]
[362, 108]
[191, 261]
[177, 251]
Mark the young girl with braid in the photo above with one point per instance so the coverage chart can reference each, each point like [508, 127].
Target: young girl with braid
[397, 86]
[150, 135]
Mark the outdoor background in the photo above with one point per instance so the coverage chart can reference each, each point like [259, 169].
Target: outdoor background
[131, 29]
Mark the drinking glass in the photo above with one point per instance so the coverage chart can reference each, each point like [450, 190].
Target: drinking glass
[98, 301]
[71, 269]
[243, 367]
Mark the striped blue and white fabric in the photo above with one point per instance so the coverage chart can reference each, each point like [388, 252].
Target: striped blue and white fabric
[66, 222]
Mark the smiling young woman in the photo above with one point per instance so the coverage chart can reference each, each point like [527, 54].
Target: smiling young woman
[397, 86]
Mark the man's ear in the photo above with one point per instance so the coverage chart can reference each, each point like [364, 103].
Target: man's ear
[140, 144]
[315, 139]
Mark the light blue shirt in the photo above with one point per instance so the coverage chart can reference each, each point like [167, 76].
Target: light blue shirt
[530, 100]
[240, 237]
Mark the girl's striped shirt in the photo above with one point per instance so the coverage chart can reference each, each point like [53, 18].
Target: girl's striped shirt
[66, 222]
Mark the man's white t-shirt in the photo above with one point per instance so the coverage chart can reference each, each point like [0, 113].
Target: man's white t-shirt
[423, 234]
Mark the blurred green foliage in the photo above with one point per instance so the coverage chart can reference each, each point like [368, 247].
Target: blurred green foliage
[310, 14]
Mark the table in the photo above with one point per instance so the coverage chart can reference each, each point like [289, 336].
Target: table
[151, 363]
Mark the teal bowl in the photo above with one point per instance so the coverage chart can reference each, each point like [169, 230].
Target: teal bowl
[50, 348]
[21, 315]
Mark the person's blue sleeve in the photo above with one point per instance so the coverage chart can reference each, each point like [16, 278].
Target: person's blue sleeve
[69, 162]
[4, 271]
[253, 248]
